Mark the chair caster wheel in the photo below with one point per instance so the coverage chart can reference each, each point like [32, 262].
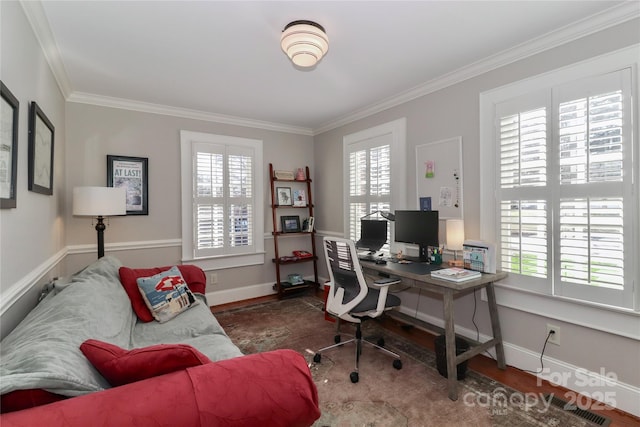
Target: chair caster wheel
[336, 339]
[354, 377]
[381, 342]
[317, 357]
[397, 363]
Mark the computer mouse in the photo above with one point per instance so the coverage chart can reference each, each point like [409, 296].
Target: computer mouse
[381, 261]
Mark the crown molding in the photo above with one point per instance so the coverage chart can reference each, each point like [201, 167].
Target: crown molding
[590, 25]
[613, 16]
[34, 12]
[128, 104]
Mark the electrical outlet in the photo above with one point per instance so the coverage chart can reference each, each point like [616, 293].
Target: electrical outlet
[555, 337]
[213, 278]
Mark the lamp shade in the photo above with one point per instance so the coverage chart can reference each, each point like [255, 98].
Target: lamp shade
[455, 234]
[99, 201]
[304, 42]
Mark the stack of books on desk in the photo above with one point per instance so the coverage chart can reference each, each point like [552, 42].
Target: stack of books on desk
[455, 274]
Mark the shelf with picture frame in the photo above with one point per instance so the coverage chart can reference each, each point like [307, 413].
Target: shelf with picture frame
[291, 192]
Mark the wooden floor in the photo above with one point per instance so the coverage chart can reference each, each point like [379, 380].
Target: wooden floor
[512, 377]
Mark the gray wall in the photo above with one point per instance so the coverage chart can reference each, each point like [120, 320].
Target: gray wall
[454, 111]
[141, 241]
[32, 234]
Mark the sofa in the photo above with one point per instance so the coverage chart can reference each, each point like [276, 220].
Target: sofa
[89, 354]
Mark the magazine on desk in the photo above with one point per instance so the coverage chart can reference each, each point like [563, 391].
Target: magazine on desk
[455, 274]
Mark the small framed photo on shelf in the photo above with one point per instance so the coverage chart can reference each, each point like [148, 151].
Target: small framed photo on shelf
[284, 196]
[295, 279]
[299, 198]
[290, 224]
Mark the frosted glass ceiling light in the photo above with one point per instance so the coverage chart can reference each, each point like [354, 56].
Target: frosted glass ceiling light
[304, 42]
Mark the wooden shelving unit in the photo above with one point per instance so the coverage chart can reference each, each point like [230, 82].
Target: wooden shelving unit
[284, 287]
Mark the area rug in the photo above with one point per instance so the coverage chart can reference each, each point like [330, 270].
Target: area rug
[415, 395]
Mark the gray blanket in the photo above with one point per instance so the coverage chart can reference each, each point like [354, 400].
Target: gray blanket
[43, 352]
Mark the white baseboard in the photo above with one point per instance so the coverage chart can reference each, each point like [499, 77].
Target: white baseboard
[601, 386]
[240, 294]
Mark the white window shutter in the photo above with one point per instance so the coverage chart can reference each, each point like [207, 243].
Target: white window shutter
[223, 197]
[564, 187]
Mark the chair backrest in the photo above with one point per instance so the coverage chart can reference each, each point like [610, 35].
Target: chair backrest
[348, 285]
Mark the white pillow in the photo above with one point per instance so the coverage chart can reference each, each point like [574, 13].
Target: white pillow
[166, 294]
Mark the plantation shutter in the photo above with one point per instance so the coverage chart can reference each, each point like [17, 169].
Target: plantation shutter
[594, 192]
[369, 182]
[240, 199]
[223, 199]
[563, 199]
[524, 191]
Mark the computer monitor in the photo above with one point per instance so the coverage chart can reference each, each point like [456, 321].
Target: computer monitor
[417, 227]
[373, 235]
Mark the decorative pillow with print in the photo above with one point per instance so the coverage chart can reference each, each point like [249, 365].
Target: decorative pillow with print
[166, 294]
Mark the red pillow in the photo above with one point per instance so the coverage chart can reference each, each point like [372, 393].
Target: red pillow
[193, 275]
[119, 366]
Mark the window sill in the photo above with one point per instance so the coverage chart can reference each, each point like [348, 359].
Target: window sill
[608, 319]
[227, 261]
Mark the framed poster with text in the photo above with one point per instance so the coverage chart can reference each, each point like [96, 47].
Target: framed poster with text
[133, 174]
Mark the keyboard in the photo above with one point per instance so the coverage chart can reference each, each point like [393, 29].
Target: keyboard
[417, 268]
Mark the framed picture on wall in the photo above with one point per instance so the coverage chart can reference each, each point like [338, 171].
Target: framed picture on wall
[133, 174]
[41, 138]
[9, 109]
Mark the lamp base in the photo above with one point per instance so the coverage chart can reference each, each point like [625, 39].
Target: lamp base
[456, 263]
[100, 227]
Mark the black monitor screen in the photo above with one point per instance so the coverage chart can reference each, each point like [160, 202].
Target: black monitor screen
[373, 234]
[417, 227]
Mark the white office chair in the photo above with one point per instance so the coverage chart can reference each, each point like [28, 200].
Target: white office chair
[350, 298]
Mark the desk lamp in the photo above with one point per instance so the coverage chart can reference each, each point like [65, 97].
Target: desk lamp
[99, 202]
[455, 240]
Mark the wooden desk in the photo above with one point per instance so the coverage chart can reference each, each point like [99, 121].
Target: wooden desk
[449, 290]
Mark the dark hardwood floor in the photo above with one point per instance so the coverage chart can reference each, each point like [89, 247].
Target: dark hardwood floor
[512, 377]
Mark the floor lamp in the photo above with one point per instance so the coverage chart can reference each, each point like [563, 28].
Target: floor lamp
[99, 202]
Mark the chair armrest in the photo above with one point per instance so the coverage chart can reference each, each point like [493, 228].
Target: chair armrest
[387, 281]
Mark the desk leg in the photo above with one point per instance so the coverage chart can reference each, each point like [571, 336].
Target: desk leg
[495, 325]
[450, 345]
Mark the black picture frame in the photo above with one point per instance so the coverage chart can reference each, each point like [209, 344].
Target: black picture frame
[10, 108]
[133, 174]
[41, 151]
[290, 223]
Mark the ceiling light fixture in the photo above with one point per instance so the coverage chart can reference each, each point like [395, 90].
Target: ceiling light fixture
[304, 42]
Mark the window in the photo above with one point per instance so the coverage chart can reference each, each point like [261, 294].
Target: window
[373, 161]
[558, 150]
[222, 199]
